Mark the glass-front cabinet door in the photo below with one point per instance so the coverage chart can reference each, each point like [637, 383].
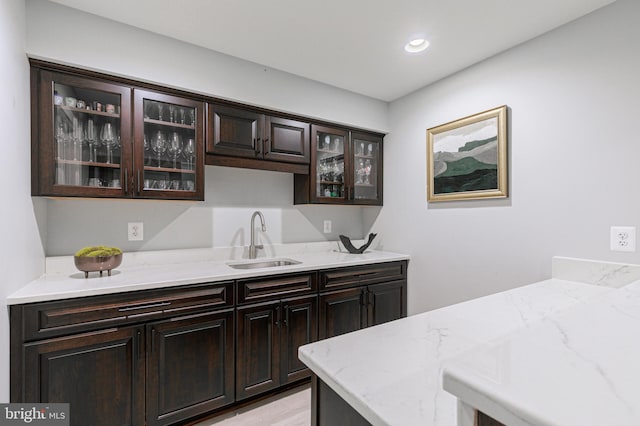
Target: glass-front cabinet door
[84, 137]
[168, 146]
[329, 182]
[367, 168]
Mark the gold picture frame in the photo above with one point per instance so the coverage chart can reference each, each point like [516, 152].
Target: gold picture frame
[467, 158]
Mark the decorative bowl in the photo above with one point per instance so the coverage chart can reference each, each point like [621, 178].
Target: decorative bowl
[97, 263]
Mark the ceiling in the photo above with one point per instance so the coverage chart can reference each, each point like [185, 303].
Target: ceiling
[355, 45]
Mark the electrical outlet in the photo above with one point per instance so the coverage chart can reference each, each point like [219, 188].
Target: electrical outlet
[327, 227]
[623, 238]
[135, 231]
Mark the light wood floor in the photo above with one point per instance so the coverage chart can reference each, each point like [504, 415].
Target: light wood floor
[292, 408]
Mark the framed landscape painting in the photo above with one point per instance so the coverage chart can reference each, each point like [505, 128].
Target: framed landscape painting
[467, 158]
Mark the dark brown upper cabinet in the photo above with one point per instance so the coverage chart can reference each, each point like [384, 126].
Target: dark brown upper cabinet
[256, 140]
[92, 137]
[346, 168]
[168, 144]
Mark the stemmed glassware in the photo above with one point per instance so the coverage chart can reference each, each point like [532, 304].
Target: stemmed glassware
[147, 148]
[175, 146]
[189, 151]
[159, 145]
[91, 139]
[367, 172]
[77, 135]
[108, 138]
[160, 108]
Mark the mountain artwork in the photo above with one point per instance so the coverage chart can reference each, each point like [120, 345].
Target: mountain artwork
[467, 157]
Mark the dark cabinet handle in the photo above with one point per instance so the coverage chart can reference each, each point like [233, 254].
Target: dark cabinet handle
[139, 343]
[153, 339]
[265, 146]
[138, 183]
[286, 315]
[278, 315]
[137, 307]
[258, 144]
[126, 180]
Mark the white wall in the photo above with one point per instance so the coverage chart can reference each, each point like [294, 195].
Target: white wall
[574, 162]
[68, 36]
[21, 254]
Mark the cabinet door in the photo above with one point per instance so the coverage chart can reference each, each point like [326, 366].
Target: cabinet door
[81, 136]
[328, 181]
[101, 375]
[234, 132]
[299, 326]
[169, 139]
[366, 170]
[387, 302]
[286, 140]
[190, 366]
[258, 362]
[341, 312]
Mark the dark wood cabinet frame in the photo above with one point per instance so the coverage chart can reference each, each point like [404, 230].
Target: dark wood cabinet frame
[278, 141]
[168, 355]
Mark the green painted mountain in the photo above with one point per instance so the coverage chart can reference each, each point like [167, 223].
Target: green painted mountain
[465, 166]
[474, 144]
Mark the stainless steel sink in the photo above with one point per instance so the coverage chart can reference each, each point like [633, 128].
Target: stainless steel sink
[267, 263]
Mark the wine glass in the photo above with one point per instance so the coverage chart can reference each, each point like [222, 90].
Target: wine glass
[367, 172]
[61, 137]
[91, 139]
[108, 138]
[175, 146]
[159, 144]
[160, 108]
[189, 150]
[147, 147]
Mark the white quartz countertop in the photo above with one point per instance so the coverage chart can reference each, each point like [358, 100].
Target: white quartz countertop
[580, 366]
[165, 271]
[392, 373]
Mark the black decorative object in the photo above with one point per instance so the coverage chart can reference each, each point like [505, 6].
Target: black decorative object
[347, 244]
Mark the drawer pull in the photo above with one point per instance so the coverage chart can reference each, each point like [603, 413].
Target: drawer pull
[151, 305]
[365, 274]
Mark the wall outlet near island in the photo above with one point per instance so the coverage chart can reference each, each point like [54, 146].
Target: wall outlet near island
[327, 227]
[135, 231]
[623, 238]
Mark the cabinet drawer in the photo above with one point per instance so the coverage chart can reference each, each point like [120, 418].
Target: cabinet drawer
[49, 319]
[362, 275]
[260, 289]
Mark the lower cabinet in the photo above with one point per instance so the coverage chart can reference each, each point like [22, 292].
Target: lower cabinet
[161, 357]
[349, 303]
[101, 375]
[143, 358]
[268, 338]
[190, 366]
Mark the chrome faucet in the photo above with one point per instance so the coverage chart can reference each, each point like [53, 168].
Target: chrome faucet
[253, 248]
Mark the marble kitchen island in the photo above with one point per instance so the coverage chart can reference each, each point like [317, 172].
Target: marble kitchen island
[392, 374]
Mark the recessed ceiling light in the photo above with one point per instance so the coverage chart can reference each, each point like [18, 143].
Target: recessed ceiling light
[416, 45]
